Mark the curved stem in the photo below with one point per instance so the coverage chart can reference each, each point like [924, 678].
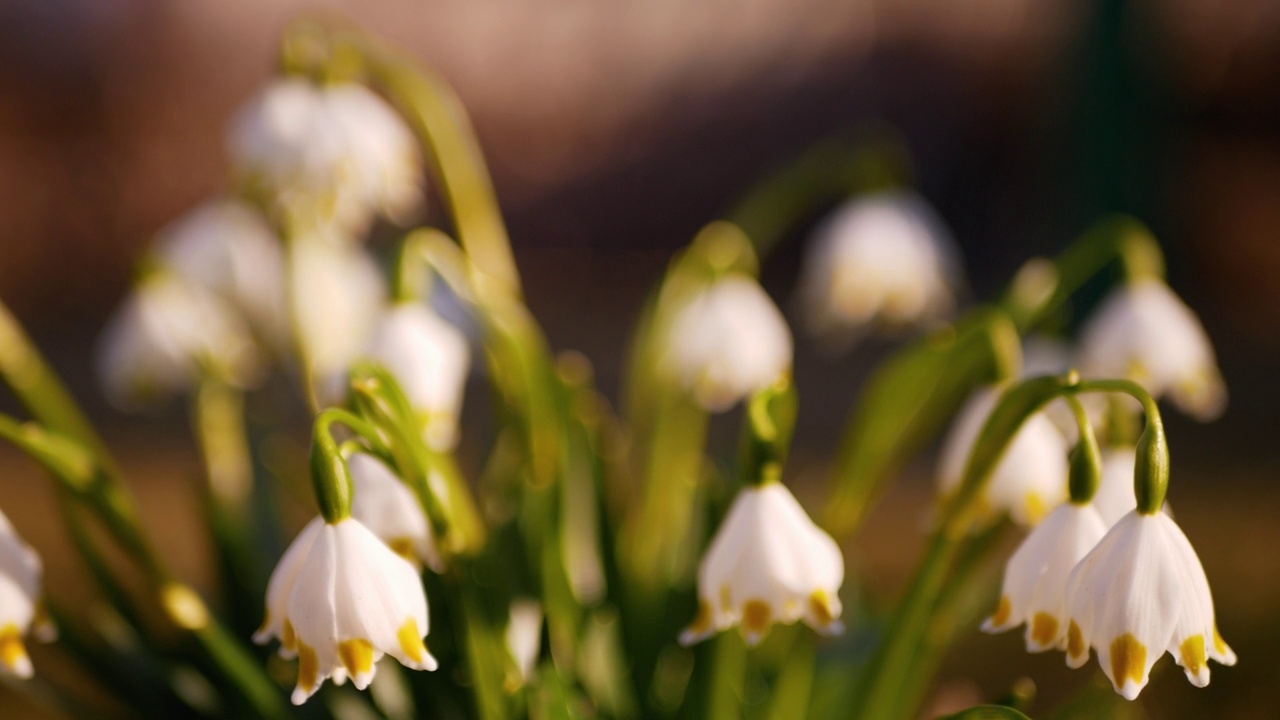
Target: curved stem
[329, 473]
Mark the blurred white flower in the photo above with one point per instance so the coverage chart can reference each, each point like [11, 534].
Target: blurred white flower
[1143, 332]
[1035, 580]
[1031, 478]
[430, 358]
[1042, 355]
[728, 341]
[340, 149]
[165, 334]
[385, 505]
[884, 258]
[524, 635]
[338, 293]
[339, 600]
[767, 563]
[227, 247]
[1140, 592]
[20, 604]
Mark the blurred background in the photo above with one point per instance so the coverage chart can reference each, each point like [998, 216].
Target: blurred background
[615, 130]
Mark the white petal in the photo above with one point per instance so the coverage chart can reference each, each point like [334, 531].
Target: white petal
[386, 506]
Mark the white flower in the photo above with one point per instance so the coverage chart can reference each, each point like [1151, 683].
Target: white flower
[389, 509]
[1035, 580]
[21, 610]
[338, 293]
[1031, 478]
[1141, 592]
[1042, 355]
[430, 359]
[165, 335]
[339, 600]
[1145, 333]
[339, 148]
[524, 635]
[227, 247]
[885, 257]
[767, 563]
[728, 341]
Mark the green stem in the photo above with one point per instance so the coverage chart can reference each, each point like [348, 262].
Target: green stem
[329, 473]
[1151, 472]
[728, 673]
[1086, 459]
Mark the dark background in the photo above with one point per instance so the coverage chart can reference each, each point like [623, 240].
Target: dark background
[615, 130]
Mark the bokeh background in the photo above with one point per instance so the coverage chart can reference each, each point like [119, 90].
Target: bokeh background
[615, 130]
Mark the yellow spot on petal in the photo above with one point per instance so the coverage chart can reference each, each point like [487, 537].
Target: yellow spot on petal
[357, 656]
[1218, 643]
[1075, 641]
[701, 624]
[820, 608]
[308, 668]
[288, 638]
[1003, 610]
[1128, 659]
[1193, 654]
[756, 616]
[726, 598]
[403, 547]
[411, 641]
[12, 652]
[1036, 508]
[1044, 628]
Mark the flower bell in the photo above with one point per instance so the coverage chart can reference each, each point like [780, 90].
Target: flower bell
[391, 511]
[768, 563]
[339, 148]
[430, 358]
[885, 258]
[20, 605]
[227, 248]
[727, 341]
[165, 335]
[1031, 478]
[1143, 332]
[340, 599]
[1140, 592]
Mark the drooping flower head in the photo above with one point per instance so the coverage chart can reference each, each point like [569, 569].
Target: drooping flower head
[387, 507]
[1143, 332]
[1035, 579]
[338, 148]
[430, 359]
[1030, 479]
[768, 563]
[727, 341]
[20, 604]
[883, 258]
[340, 599]
[1140, 592]
[165, 335]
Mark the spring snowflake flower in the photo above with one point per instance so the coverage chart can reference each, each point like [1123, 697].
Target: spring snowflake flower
[338, 148]
[1029, 481]
[885, 258]
[1140, 592]
[1035, 580]
[767, 563]
[728, 341]
[391, 511]
[21, 610]
[1145, 333]
[165, 335]
[227, 248]
[339, 600]
[430, 358]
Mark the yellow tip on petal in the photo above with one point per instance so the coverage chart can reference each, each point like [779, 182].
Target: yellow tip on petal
[1044, 629]
[820, 607]
[1003, 610]
[411, 642]
[403, 547]
[13, 653]
[1036, 508]
[1076, 648]
[288, 638]
[357, 657]
[701, 626]
[757, 617]
[726, 599]
[308, 671]
[1128, 660]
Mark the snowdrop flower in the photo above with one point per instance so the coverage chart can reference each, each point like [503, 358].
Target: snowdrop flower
[339, 600]
[767, 563]
[1145, 333]
[339, 148]
[1140, 592]
[164, 335]
[430, 359]
[338, 293]
[20, 605]
[389, 509]
[227, 248]
[727, 341]
[1035, 580]
[1029, 481]
[885, 258]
